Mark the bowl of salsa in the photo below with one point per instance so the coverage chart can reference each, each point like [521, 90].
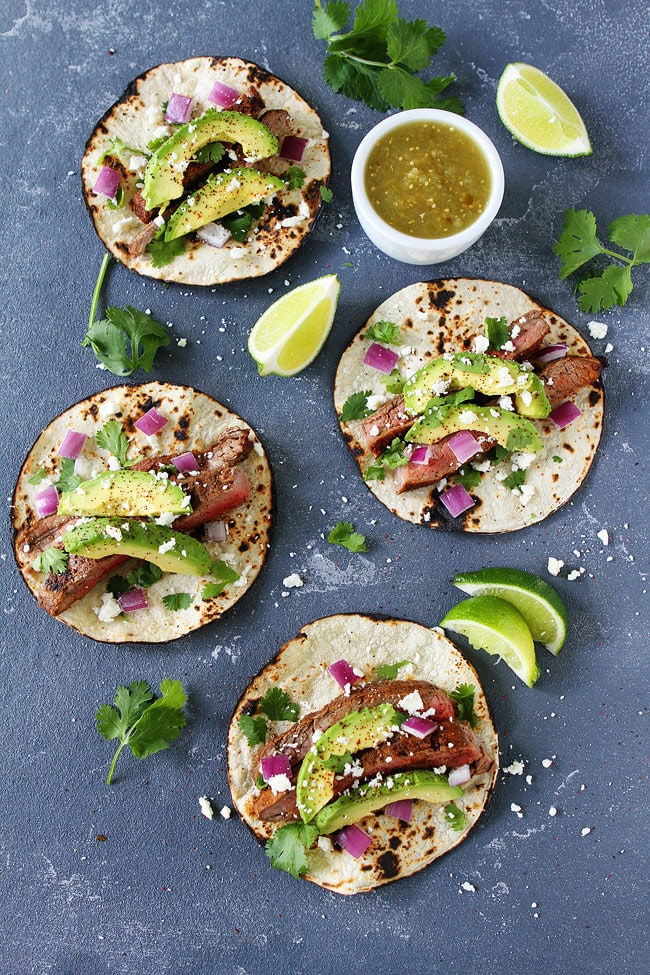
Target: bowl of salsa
[426, 184]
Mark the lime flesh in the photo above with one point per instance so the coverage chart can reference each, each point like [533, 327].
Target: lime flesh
[292, 331]
[494, 625]
[538, 603]
[538, 113]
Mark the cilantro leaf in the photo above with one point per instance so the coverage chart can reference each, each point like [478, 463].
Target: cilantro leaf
[393, 381]
[126, 340]
[278, 706]
[374, 472]
[514, 481]
[464, 698]
[389, 671]
[175, 601]
[254, 729]
[344, 534]
[38, 476]
[112, 437]
[394, 455]
[224, 575]
[212, 152]
[468, 477]
[163, 251]
[326, 194]
[578, 244]
[337, 763]
[497, 331]
[294, 177]
[378, 60]
[68, 480]
[240, 222]
[356, 407]
[147, 724]
[455, 816]
[144, 575]
[385, 332]
[51, 560]
[287, 847]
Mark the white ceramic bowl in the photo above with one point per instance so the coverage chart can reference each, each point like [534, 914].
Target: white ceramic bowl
[423, 250]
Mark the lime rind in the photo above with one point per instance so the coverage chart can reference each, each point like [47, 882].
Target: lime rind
[538, 603]
[535, 118]
[494, 625]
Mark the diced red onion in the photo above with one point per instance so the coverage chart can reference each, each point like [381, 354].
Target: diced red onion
[223, 95]
[216, 531]
[213, 234]
[421, 455]
[272, 765]
[343, 673]
[107, 182]
[133, 600]
[551, 352]
[353, 840]
[47, 501]
[463, 445]
[419, 727]
[179, 108]
[293, 148]
[456, 500]
[459, 775]
[71, 444]
[186, 462]
[401, 809]
[564, 414]
[151, 422]
[379, 357]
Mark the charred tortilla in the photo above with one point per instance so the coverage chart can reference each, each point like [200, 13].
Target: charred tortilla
[447, 316]
[398, 849]
[137, 119]
[196, 422]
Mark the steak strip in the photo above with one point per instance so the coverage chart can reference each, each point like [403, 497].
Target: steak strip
[442, 462]
[563, 378]
[297, 740]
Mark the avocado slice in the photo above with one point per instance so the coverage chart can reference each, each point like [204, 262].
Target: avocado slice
[486, 374]
[508, 429]
[353, 806]
[171, 551]
[356, 731]
[125, 493]
[222, 193]
[163, 177]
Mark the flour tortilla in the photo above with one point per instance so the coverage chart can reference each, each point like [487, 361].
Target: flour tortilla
[445, 316]
[138, 118]
[398, 849]
[195, 423]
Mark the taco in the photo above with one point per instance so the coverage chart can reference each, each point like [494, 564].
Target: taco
[363, 752]
[142, 513]
[470, 406]
[206, 171]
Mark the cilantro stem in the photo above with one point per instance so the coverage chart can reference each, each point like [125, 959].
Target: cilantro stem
[109, 778]
[98, 288]
[620, 257]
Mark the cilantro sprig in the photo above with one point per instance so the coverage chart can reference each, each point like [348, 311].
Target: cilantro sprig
[51, 559]
[464, 698]
[344, 534]
[139, 719]
[127, 339]
[455, 816]
[277, 705]
[356, 406]
[579, 244]
[379, 59]
[287, 848]
[112, 437]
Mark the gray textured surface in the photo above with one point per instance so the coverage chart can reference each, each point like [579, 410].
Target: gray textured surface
[166, 890]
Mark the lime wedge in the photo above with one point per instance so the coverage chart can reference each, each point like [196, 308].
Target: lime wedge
[292, 331]
[538, 603]
[494, 625]
[539, 114]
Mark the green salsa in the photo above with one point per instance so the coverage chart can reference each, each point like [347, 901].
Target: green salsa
[428, 179]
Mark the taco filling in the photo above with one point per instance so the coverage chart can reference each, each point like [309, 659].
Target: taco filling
[388, 747]
[466, 397]
[206, 171]
[169, 518]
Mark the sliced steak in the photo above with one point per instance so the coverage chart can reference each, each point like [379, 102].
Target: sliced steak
[214, 493]
[62, 589]
[138, 244]
[526, 334]
[139, 208]
[442, 462]
[297, 740]
[563, 378]
[277, 121]
[389, 421]
[453, 744]
[249, 102]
